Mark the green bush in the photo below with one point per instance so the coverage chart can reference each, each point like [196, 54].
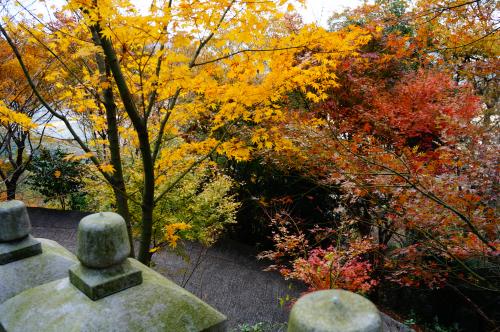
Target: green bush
[58, 178]
[203, 201]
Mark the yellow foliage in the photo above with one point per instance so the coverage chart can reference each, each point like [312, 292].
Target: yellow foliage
[171, 235]
[154, 249]
[235, 149]
[73, 157]
[8, 116]
[227, 61]
[203, 76]
[107, 168]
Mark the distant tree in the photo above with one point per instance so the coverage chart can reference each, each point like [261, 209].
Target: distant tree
[22, 120]
[57, 177]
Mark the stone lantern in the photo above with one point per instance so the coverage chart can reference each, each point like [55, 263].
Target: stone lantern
[334, 310]
[107, 291]
[25, 261]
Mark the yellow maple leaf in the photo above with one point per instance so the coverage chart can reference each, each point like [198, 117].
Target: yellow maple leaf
[107, 168]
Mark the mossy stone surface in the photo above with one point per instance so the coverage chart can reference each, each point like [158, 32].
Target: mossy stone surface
[19, 249]
[99, 283]
[157, 304]
[102, 240]
[52, 264]
[334, 311]
[14, 221]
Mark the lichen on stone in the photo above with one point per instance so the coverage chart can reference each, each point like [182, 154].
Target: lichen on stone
[157, 304]
[52, 264]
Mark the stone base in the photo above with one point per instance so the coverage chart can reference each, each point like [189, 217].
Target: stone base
[99, 283]
[156, 305]
[16, 250]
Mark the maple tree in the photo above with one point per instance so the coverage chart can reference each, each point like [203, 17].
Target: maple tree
[386, 126]
[465, 34]
[22, 120]
[180, 70]
[457, 35]
[410, 165]
[392, 114]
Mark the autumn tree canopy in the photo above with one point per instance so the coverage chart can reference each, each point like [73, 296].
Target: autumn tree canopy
[406, 147]
[197, 72]
[22, 118]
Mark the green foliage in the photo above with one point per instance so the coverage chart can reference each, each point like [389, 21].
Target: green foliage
[396, 9]
[392, 12]
[196, 208]
[203, 201]
[437, 327]
[58, 179]
[266, 188]
[78, 201]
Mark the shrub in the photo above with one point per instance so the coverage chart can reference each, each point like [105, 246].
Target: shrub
[58, 179]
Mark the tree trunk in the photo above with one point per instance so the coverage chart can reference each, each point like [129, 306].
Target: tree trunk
[123, 210]
[141, 128]
[147, 198]
[118, 182]
[144, 255]
[11, 189]
[14, 179]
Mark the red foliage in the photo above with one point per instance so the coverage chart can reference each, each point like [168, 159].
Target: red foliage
[344, 265]
[417, 110]
[331, 268]
[417, 176]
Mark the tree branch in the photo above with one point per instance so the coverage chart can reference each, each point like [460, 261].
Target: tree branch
[46, 104]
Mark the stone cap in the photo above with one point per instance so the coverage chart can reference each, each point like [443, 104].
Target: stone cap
[102, 240]
[14, 221]
[103, 248]
[334, 310]
[16, 243]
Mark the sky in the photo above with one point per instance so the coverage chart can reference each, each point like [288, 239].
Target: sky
[320, 10]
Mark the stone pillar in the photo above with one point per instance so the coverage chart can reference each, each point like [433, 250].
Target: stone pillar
[102, 249]
[15, 240]
[334, 311]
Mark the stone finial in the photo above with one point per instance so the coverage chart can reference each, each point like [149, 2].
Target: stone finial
[102, 240]
[334, 311]
[103, 249]
[15, 226]
[14, 221]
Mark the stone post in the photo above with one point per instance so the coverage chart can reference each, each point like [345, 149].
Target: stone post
[334, 311]
[102, 250]
[15, 240]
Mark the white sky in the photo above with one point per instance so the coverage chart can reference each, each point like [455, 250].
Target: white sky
[320, 10]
